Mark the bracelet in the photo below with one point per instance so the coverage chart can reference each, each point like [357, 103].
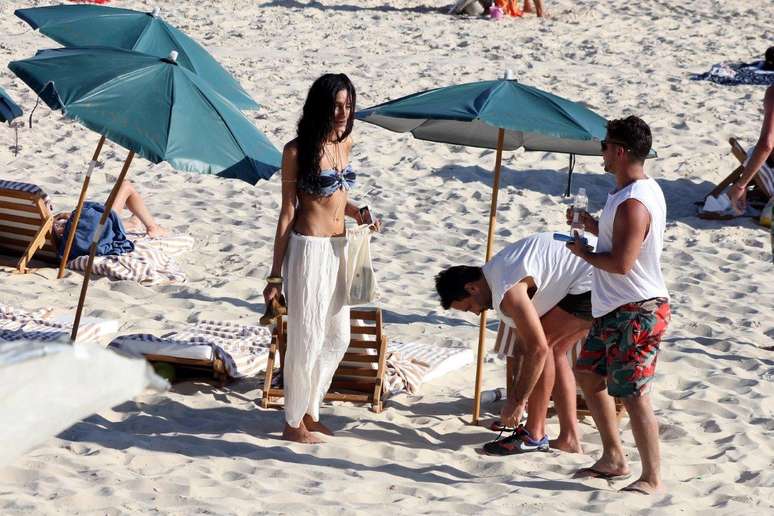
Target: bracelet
[274, 280]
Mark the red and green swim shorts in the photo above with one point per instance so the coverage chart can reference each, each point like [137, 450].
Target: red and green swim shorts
[623, 346]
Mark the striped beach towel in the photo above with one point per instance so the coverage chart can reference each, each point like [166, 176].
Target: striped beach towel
[42, 325]
[242, 348]
[414, 363]
[152, 262]
[403, 374]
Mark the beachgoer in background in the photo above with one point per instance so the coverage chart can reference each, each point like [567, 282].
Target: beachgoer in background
[539, 288]
[126, 198]
[310, 251]
[537, 9]
[763, 151]
[630, 303]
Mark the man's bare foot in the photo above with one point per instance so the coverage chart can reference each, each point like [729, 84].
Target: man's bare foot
[644, 487]
[315, 426]
[156, 232]
[300, 435]
[604, 470]
[565, 445]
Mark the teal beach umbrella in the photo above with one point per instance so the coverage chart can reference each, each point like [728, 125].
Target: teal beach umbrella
[502, 115]
[101, 26]
[153, 107]
[8, 108]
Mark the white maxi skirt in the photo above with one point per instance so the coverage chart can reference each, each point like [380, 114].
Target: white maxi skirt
[318, 321]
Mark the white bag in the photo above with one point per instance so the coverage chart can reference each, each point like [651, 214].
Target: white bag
[361, 280]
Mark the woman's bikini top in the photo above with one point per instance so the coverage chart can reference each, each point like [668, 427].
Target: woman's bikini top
[329, 182]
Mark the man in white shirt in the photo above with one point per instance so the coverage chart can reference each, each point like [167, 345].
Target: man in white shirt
[630, 304]
[539, 288]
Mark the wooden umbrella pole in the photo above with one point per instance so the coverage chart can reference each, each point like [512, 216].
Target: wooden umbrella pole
[93, 249]
[79, 207]
[489, 241]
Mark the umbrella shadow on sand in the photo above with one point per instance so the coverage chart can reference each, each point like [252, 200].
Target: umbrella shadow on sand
[680, 194]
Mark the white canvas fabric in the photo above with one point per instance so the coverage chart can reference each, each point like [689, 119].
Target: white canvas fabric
[315, 276]
[554, 269]
[644, 280]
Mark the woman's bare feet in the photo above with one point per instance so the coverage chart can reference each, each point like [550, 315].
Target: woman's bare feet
[565, 445]
[300, 435]
[156, 231]
[315, 426]
[644, 487]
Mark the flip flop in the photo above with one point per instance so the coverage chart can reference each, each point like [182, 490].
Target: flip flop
[592, 472]
[635, 489]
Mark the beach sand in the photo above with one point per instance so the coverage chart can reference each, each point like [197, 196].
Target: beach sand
[207, 450]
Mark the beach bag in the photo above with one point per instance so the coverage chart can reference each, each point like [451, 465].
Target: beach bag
[361, 280]
[767, 214]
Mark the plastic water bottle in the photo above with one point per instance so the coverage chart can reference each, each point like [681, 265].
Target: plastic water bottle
[579, 205]
[493, 395]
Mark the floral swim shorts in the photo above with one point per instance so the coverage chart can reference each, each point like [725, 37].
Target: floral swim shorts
[623, 346]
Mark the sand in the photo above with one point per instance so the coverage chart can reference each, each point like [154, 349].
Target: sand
[201, 449]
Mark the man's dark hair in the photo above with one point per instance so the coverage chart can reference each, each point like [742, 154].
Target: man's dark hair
[450, 284]
[633, 132]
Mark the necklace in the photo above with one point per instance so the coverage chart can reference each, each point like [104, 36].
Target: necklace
[334, 160]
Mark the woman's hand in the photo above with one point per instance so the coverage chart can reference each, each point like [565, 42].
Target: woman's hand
[271, 291]
[737, 194]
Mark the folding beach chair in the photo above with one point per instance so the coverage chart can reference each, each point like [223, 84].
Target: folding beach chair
[763, 181]
[26, 223]
[360, 376]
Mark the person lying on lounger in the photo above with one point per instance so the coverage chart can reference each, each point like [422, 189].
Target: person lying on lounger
[127, 198]
[538, 287]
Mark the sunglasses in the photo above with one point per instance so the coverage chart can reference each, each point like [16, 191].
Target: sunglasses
[605, 143]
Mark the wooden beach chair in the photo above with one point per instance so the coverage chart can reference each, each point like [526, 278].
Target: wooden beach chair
[763, 181]
[360, 375]
[26, 224]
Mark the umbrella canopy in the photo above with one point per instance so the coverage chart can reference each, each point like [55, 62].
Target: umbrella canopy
[95, 25]
[472, 115]
[153, 107]
[8, 108]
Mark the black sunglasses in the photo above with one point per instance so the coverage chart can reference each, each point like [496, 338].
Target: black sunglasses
[605, 143]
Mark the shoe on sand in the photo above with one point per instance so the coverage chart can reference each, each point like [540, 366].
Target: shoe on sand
[518, 442]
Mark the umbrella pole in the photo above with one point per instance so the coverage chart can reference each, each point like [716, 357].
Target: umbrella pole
[93, 249]
[79, 208]
[489, 240]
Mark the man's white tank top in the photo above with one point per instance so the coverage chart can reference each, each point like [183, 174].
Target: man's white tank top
[644, 280]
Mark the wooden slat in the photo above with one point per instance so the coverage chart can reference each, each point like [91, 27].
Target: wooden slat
[363, 330]
[30, 208]
[17, 231]
[361, 371]
[18, 194]
[366, 315]
[341, 396]
[182, 361]
[14, 243]
[363, 344]
[361, 384]
[360, 357]
[21, 220]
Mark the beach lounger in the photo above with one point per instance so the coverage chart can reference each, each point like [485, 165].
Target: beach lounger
[360, 375]
[46, 326]
[221, 350]
[763, 180]
[25, 224]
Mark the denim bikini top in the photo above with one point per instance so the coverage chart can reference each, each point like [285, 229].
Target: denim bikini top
[329, 182]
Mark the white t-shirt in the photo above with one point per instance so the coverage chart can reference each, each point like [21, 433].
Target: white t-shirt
[644, 280]
[554, 269]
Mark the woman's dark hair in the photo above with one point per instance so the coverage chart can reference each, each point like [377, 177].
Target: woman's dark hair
[634, 132]
[316, 124]
[450, 284]
[768, 59]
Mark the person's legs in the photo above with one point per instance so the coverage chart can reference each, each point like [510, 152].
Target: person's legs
[128, 198]
[645, 430]
[539, 8]
[564, 395]
[559, 327]
[528, 6]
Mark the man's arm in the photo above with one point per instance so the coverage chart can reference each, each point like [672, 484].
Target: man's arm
[629, 231]
[762, 150]
[518, 306]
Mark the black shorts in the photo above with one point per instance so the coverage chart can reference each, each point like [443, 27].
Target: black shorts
[578, 305]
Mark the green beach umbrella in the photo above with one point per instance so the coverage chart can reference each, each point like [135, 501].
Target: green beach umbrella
[8, 108]
[502, 115]
[101, 26]
[154, 108]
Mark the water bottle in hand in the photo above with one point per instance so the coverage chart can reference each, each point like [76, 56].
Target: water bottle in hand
[580, 204]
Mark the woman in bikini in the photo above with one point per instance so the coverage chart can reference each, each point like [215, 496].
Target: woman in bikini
[310, 251]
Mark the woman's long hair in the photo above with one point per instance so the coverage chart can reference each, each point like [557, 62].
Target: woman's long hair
[316, 123]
